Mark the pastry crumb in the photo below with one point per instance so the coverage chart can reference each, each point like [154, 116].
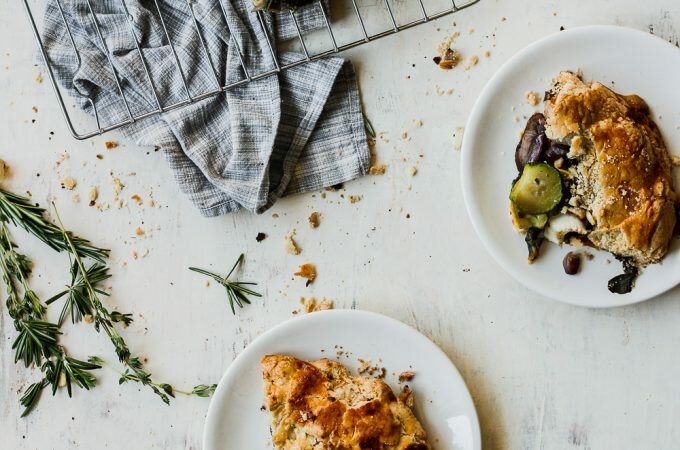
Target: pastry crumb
[354, 198]
[292, 247]
[137, 199]
[139, 232]
[675, 160]
[75, 198]
[458, 138]
[4, 170]
[471, 62]
[532, 98]
[418, 123]
[69, 183]
[39, 77]
[406, 376]
[307, 271]
[403, 135]
[110, 145]
[377, 169]
[314, 219]
[260, 237]
[310, 305]
[93, 194]
[412, 171]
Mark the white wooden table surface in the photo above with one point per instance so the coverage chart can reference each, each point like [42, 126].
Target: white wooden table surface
[543, 375]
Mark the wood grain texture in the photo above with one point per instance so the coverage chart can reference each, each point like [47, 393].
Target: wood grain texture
[543, 375]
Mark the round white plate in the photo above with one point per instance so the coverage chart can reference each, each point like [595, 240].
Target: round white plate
[630, 62]
[442, 402]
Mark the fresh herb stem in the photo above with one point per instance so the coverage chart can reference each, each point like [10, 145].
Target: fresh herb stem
[22, 213]
[236, 291]
[105, 319]
[369, 127]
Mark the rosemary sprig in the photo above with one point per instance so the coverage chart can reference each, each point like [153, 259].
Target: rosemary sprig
[104, 319]
[369, 127]
[164, 389]
[236, 291]
[22, 213]
[37, 340]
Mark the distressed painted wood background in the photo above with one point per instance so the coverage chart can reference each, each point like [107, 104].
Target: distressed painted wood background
[543, 375]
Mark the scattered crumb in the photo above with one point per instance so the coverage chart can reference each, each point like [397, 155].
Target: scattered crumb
[260, 237]
[675, 160]
[39, 78]
[412, 171]
[69, 183]
[63, 157]
[458, 138]
[403, 135]
[418, 123]
[487, 54]
[134, 254]
[471, 62]
[314, 219]
[406, 396]
[88, 318]
[207, 283]
[448, 57]
[275, 216]
[366, 367]
[34, 109]
[110, 145]
[4, 170]
[532, 98]
[377, 169]
[118, 186]
[354, 198]
[93, 194]
[76, 198]
[589, 256]
[292, 246]
[310, 305]
[406, 376]
[99, 156]
[139, 232]
[136, 198]
[307, 271]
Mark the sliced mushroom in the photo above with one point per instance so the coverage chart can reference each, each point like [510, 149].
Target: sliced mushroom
[532, 142]
[561, 225]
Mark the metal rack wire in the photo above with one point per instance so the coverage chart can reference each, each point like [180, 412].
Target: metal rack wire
[365, 35]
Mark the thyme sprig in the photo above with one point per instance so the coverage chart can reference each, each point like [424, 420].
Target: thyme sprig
[236, 291]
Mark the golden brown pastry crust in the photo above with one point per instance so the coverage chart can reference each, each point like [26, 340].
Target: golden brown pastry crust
[623, 176]
[320, 406]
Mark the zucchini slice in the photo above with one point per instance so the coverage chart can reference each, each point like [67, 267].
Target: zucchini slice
[538, 190]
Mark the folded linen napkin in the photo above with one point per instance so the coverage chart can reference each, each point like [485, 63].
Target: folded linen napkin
[244, 148]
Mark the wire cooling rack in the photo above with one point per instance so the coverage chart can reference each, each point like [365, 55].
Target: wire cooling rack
[370, 20]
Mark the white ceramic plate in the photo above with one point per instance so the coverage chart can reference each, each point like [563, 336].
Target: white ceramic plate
[442, 402]
[629, 61]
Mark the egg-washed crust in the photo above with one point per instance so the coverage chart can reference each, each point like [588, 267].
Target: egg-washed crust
[319, 406]
[623, 176]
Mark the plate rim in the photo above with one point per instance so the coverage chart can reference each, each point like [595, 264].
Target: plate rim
[472, 127]
[319, 316]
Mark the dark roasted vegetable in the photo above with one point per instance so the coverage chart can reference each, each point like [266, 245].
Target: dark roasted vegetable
[534, 239]
[535, 147]
[571, 263]
[624, 283]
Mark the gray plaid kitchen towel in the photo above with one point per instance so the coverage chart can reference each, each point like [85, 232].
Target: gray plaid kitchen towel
[244, 148]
